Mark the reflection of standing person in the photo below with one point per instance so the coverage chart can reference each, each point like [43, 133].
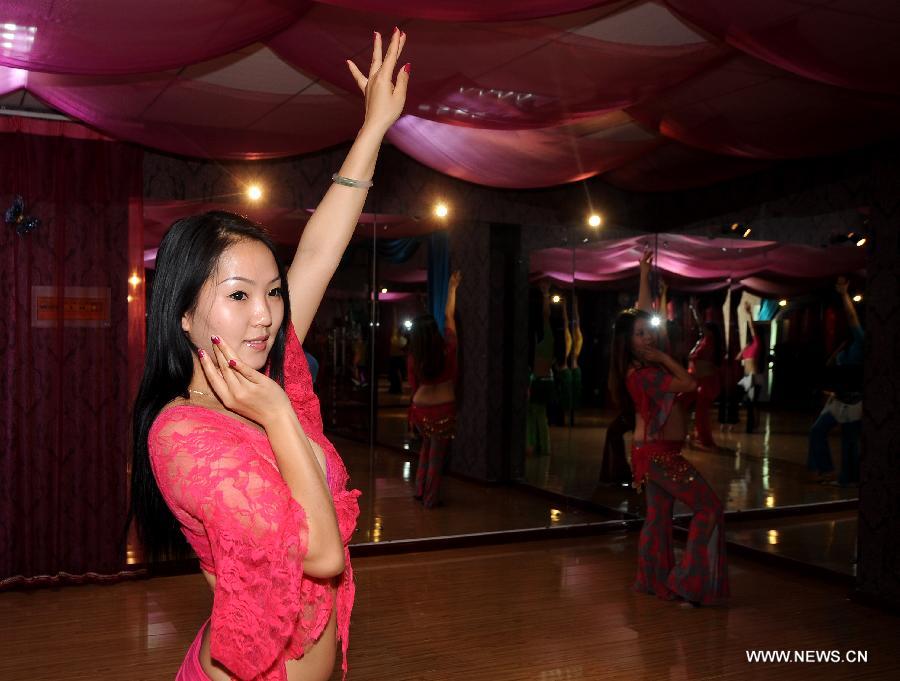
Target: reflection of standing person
[229, 451]
[749, 357]
[844, 404]
[704, 364]
[541, 390]
[655, 384]
[397, 358]
[431, 371]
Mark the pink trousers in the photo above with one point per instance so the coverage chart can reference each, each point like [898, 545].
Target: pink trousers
[191, 669]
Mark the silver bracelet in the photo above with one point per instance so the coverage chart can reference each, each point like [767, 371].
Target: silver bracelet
[350, 182]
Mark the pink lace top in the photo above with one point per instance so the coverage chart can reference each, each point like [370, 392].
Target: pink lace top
[220, 478]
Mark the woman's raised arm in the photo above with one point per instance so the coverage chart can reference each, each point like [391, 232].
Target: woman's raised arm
[328, 231]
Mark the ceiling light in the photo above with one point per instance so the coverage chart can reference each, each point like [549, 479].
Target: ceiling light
[782, 303]
[595, 220]
[747, 233]
[555, 299]
[441, 210]
[861, 242]
[384, 290]
[254, 192]
[857, 298]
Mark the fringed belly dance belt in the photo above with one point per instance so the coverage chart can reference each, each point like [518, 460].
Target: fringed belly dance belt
[664, 453]
[434, 420]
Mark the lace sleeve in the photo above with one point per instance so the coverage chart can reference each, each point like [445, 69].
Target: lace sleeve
[257, 534]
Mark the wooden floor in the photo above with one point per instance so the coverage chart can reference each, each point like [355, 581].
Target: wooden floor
[548, 610]
[826, 540]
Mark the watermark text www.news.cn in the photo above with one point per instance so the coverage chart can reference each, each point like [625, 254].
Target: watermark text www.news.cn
[808, 656]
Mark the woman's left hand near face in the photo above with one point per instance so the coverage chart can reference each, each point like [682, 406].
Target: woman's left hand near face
[384, 98]
[241, 388]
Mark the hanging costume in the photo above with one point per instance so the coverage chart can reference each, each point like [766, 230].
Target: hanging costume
[541, 393]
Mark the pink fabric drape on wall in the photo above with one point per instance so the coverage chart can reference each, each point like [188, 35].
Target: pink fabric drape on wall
[65, 396]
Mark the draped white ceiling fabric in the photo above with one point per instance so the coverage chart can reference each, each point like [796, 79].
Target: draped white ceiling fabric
[651, 95]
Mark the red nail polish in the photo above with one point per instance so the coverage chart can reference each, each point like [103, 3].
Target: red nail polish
[396, 30]
[200, 353]
[232, 363]
[407, 67]
[215, 339]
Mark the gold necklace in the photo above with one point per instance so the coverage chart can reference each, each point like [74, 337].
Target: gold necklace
[199, 392]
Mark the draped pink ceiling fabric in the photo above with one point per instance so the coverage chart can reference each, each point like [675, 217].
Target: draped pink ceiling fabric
[654, 95]
[691, 263]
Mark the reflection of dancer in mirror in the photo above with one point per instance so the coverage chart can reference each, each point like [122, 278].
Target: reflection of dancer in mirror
[704, 364]
[749, 357]
[431, 371]
[844, 405]
[614, 466]
[655, 384]
[228, 442]
[541, 387]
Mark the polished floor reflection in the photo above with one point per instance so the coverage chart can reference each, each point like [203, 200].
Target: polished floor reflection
[826, 541]
[388, 512]
[547, 610]
[762, 470]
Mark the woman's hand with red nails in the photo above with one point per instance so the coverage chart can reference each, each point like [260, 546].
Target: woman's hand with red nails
[242, 389]
[385, 98]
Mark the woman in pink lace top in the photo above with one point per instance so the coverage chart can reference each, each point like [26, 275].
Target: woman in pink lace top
[229, 453]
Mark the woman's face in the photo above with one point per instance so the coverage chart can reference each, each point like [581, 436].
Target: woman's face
[642, 335]
[241, 303]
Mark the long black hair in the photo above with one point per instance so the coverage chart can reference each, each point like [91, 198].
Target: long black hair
[621, 357]
[426, 345]
[187, 257]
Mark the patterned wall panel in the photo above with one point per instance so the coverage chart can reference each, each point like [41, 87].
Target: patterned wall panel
[878, 566]
[470, 253]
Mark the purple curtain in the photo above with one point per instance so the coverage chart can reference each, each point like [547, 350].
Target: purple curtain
[71, 343]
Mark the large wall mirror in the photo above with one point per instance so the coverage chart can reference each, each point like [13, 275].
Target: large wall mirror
[783, 326]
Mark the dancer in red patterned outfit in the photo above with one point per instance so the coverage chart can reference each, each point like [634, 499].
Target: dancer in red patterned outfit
[653, 383]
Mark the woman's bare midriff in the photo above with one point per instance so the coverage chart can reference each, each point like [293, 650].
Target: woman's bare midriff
[316, 664]
[675, 428]
[439, 393]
